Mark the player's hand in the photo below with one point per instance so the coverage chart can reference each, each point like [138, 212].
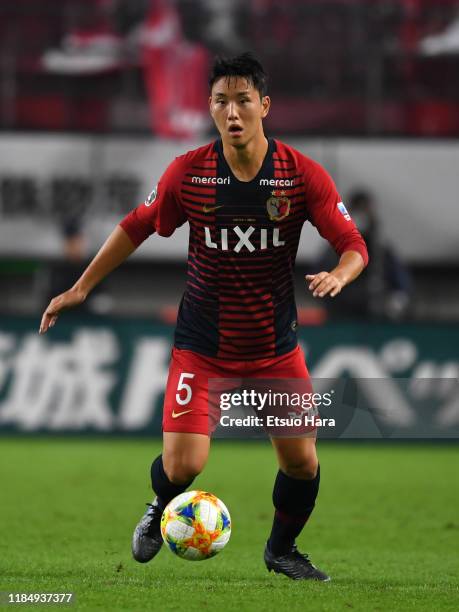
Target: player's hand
[324, 283]
[62, 302]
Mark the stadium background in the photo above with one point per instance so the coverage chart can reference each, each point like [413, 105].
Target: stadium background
[96, 97]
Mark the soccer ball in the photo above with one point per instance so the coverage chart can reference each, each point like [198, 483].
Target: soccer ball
[196, 525]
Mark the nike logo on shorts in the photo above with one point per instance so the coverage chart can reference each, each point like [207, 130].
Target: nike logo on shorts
[176, 415]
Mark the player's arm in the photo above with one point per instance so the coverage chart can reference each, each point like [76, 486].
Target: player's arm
[351, 264]
[327, 212]
[160, 213]
[113, 252]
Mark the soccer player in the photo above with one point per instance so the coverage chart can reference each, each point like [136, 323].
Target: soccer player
[245, 198]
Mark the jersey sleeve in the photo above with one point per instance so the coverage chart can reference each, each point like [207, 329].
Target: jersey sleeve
[161, 212]
[326, 211]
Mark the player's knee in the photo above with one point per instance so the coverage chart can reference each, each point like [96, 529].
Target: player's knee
[181, 470]
[305, 468]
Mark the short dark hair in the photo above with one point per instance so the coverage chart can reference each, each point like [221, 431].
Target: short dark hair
[244, 65]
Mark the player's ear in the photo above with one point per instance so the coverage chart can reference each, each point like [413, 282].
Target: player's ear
[210, 106]
[265, 106]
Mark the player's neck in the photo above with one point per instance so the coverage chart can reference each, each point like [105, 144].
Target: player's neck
[245, 162]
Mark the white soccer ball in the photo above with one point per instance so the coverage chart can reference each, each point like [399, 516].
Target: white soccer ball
[196, 525]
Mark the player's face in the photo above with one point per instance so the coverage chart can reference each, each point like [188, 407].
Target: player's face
[238, 110]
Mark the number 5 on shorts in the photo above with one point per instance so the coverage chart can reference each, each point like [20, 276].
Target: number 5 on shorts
[183, 386]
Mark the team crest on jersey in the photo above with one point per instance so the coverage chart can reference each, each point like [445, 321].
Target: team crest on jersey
[152, 196]
[278, 206]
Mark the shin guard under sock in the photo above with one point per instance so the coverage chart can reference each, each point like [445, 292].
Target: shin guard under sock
[162, 486]
[294, 502]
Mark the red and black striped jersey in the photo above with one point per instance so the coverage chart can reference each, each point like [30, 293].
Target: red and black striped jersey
[239, 301]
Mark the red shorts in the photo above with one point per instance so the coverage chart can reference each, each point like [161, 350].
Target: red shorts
[186, 401]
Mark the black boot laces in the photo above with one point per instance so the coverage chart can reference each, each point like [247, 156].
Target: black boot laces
[303, 556]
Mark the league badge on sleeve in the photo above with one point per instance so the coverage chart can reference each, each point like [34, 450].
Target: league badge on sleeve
[152, 196]
[343, 210]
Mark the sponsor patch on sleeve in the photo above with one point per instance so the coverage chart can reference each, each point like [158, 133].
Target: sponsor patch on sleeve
[151, 196]
[343, 210]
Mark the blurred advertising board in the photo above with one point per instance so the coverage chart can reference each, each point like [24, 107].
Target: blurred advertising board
[43, 178]
[103, 376]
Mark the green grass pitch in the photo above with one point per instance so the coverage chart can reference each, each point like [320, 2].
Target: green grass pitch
[385, 527]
